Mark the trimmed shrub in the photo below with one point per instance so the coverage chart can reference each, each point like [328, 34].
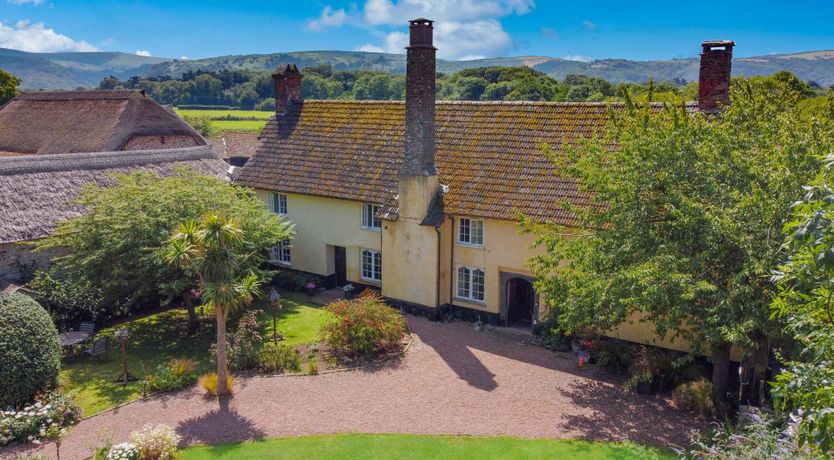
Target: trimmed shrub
[30, 355]
[364, 326]
[696, 397]
[280, 359]
[209, 383]
[156, 442]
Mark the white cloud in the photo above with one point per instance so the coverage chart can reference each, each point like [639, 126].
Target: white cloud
[145, 53]
[328, 18]
[472, 57]
[36, 38]
[577, 57]
[184, 58]
[25, 2]
[396, 12]
[463, 28]
[589, 25]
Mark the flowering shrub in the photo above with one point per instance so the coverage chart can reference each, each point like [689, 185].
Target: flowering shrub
[156, 442]
[51, 413]
[174, 375]
[123, 451]
[364, 326]
[761, 438]
[244, 344]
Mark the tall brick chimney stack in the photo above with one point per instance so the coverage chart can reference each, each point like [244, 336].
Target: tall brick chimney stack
[419, 101]
[287, 87]
[714, 80]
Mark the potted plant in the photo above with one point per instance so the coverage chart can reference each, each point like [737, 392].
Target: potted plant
[311, 289]
[646, 370]
[350, 291]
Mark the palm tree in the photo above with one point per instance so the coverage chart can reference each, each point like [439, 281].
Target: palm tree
[216, 251]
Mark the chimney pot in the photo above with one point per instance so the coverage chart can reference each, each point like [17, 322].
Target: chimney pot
[714, 75]
[287, 87]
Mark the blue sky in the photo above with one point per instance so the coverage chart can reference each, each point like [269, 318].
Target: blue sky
[465, 29]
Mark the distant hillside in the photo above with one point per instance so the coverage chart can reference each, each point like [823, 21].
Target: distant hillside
[69, 70]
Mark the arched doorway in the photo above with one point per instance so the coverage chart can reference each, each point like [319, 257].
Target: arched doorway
[521, 303]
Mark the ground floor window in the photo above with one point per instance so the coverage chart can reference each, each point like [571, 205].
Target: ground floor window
[371, 265]
[281, 252]
[470, 283]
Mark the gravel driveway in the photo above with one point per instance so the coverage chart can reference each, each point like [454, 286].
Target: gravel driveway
[452, 380]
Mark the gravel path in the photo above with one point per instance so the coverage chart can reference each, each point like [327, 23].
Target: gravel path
[453, 380]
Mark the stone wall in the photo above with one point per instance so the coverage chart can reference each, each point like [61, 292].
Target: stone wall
[13, 255]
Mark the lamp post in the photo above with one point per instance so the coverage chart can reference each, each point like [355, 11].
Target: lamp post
[122, 335]
[275, 304]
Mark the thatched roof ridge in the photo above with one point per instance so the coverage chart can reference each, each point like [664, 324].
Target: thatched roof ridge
[36, 192]
[52, 122]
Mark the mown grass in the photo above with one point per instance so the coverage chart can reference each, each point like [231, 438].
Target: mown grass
[230, 120]
[248, 126]
[397, 446]
[160, 337]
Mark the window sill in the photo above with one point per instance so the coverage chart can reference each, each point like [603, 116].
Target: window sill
[472, 301]
[373, 229]
[470, 245]
[369, 280]
[278, 262]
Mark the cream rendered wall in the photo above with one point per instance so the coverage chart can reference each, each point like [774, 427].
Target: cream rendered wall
[410, 250]
[321, 223]
[505, 249]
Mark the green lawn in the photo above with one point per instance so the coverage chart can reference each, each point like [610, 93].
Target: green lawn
[164, 336]
[252, 126]
[395, 446]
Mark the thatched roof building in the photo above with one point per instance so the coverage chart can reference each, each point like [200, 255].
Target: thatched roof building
[46, 123]
[36, 191]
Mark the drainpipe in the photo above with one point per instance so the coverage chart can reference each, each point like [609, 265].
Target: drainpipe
[452, 273]
[437, 289]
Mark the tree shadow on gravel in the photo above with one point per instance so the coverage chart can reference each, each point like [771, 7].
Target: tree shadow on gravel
[220, 425]
[620, 414]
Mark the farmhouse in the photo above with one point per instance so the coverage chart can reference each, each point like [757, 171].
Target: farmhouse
[54, 143]
[422, 199]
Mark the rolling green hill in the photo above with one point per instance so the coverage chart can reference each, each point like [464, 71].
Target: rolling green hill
[70, 70]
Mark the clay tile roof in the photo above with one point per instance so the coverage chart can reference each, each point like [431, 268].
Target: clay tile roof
[488, 154]
[84, 121]
[36, 191]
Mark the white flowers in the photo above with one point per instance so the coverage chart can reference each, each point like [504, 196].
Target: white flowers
[123, 451]
[156, 442]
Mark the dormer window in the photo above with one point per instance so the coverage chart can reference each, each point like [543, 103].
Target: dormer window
[471, 232]
[369, 219]
[278, 203]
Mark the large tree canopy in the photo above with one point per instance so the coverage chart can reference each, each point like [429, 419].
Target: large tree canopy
[120, 243]
[687, 217]
[8, 86]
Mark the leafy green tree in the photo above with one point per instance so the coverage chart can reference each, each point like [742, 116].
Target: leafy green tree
[681, 227]
[806, 304]
[120, 243]
[8, 86]
[216, 251]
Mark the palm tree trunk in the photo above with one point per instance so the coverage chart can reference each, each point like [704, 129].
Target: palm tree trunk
[193, 320]
[222, 369]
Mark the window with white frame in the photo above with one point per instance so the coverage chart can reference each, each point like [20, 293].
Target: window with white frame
[369, 219]
[470, 283]
[281, 252]
[278, 203]
[371, 265]
[471, 231]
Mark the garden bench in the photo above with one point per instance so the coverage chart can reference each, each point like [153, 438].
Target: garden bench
[99, 347]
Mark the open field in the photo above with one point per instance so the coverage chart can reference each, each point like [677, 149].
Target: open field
[230, 120]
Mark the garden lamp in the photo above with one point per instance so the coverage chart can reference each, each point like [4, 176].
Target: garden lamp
[275, 304]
